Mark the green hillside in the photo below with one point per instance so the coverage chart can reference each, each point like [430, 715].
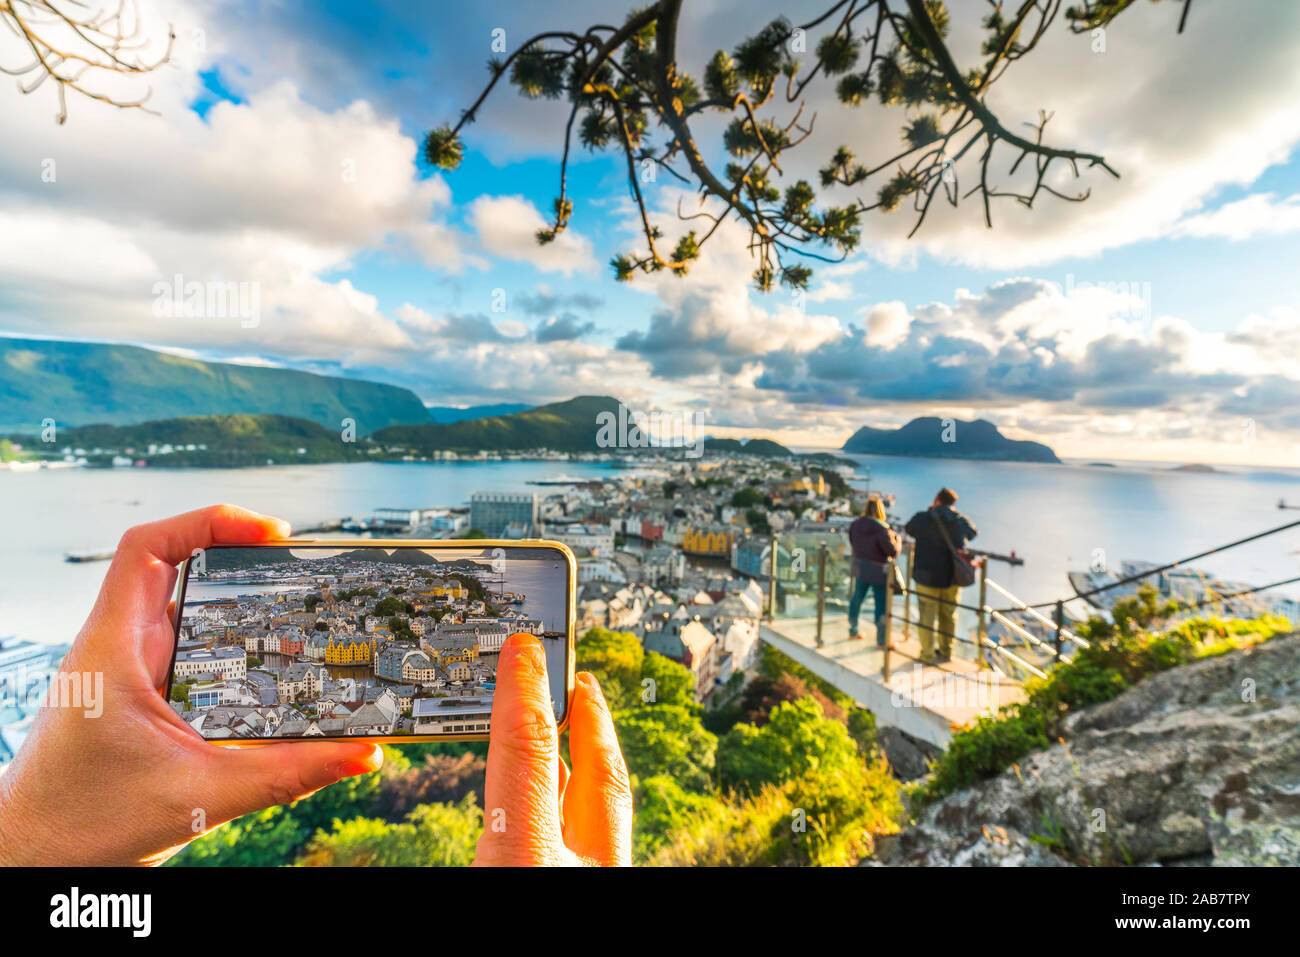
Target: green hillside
[569, 426]
[81, 383]
[230, 440]
[762, 447]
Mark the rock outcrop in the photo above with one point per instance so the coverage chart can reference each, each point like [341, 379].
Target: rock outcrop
[909, 758]
[1196, 765]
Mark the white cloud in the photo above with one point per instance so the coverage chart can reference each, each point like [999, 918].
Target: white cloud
[831, 290]
[507, 226]
[1262, 214]
[887, 324]
[272, 192]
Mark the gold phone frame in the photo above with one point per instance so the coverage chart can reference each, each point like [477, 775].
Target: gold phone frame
[571, 602]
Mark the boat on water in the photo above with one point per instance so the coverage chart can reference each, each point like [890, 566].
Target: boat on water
[102, 555]
[566, 480]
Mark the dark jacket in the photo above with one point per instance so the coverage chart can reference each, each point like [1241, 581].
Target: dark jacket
[872, 547]
[933, 563]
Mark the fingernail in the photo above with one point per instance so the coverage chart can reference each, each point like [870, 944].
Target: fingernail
[371, 762]
[592, 684]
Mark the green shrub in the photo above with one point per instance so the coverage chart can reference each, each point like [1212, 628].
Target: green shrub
[666, 812]
[1120, 655]
[433, 835]
[988, 747]
[820, 818]
[265, 838]
[273, 837]
[798, 739]
[616, 659]
[666, 739]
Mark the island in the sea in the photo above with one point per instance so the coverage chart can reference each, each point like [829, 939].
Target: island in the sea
[933, 437]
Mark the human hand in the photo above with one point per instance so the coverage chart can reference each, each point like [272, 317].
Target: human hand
[537, 812]
[134, 783]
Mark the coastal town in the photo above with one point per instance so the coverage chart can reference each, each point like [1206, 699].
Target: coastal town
[367, 641]
[688, 555]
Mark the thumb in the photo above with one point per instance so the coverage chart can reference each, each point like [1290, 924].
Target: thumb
[240, 781]
[521, 787]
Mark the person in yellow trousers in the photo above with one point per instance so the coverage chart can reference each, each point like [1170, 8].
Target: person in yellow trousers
[936, 589]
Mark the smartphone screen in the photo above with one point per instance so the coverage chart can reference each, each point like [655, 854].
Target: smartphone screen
[340, 639]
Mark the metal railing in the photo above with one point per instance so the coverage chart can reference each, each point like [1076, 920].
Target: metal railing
[795, 584]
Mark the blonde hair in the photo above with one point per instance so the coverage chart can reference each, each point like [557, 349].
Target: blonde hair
[875, 509]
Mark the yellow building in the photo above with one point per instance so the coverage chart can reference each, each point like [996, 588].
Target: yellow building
[814, 484]
[450, 588]
[708, 541]
[458, 671]
[345, 651]
[451, 656]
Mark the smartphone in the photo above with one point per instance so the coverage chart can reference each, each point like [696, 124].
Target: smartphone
[394, 640]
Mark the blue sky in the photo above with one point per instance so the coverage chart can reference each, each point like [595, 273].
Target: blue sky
[1158, 319]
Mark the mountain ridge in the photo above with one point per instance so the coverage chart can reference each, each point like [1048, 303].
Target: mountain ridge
[229, 441]
[93, 383]
[568, 426]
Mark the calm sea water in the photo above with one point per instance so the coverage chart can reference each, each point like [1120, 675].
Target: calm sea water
[49, 513]
[1052, 515]
[1055, 516]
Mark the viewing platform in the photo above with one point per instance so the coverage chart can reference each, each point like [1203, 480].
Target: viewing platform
[928, 703]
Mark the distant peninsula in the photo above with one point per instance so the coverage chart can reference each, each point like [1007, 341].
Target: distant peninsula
[766, 448]
[569, 426]
[925, 437]
[233, 441]
[573, 425]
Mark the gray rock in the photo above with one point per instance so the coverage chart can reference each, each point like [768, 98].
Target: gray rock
[909, 758]
[1198, 764]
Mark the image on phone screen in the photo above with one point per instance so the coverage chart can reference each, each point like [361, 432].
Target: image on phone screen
[303, 641]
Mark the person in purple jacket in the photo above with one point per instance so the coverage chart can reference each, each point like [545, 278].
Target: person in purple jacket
[874, 545]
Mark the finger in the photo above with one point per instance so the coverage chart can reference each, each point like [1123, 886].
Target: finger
[141, 580]
[238, 781]
[523, 757]
[598, 800]
[156, 647]
[172, 540]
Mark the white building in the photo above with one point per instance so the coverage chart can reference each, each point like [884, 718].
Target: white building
[225, 661]
[596, 540]
[452, 715]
